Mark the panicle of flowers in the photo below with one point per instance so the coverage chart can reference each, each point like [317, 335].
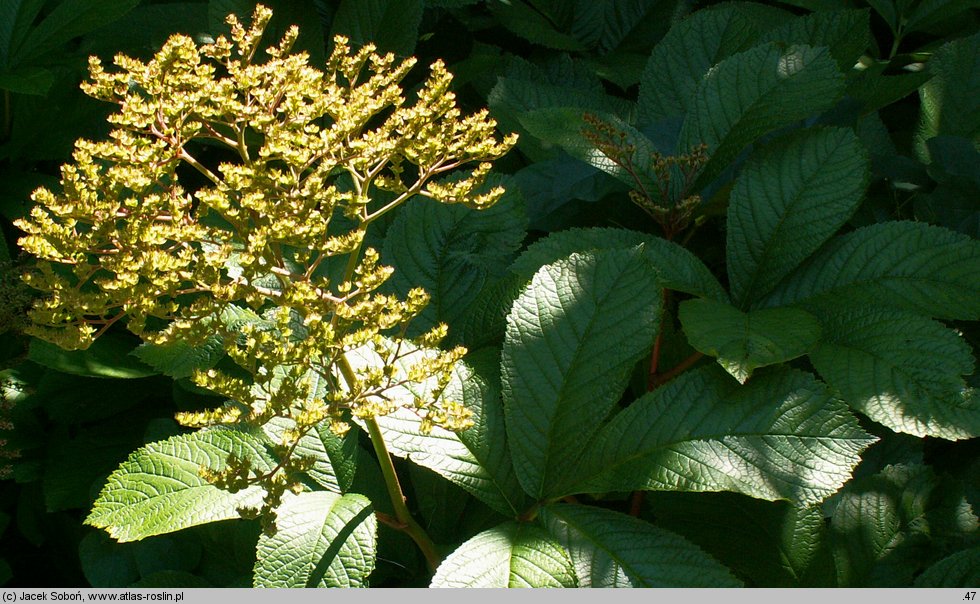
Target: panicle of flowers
[268, 254]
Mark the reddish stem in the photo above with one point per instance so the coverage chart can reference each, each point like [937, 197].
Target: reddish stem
[678, 369]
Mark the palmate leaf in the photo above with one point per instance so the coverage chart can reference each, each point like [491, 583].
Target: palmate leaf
[476, 459]
[677, 268]
[321, 540]
[743, 342]
[791, 197]
[755, 92]
[609, 549]
[903, 265]
[159, 489]
[902, 370]
[572, 339]
[682, 58]
[781, 436]
[510, 555]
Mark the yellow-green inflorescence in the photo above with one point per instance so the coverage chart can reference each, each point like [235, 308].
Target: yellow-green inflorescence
[232, 199]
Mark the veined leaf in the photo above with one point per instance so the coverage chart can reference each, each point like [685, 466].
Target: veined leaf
[961, 569]
[159, 489]
[334, 457]
[949, 100]
[743, 342]
[486, 318]
[603, 25]
[677, 268]
[321, 540]
[609, 549]
[450, 251]
[572, 338]
[476, 459]
[107, 357]
[901, 370]
[390, 24]
[16, 18]
[180, 360]
[682, 58]
[847, 33]
[903, 265]
[567, 128]
[510, 555]
[772, 544]
[791, 197]
[755, 92]
[68, 20]
[532, 25]
[883, 525]
[781, 436]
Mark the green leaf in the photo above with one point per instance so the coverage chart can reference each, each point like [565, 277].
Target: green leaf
[928, 13]
[755, 92]
[510, 555]
[904, 265]
[392, 25]
[567, 128]
[33, 81]
[533, 25]
[68, 20]
[791, 197]
[561, 82]
[677, 268]
[781, 436]
[743, 342]
[886, 526]
[159, 488]
[450, 251]
[949, 99]
[476, 459]
[16, 18]
[772, 544]
[573, 337]
[847, 33]
[961, 569]
[486, 318]
[875, 86]
[334, 457]
[901, 370]
[610, 549]
[322, 540]
[106, 563]
[604, 25]
[108, 357]
[682, 58]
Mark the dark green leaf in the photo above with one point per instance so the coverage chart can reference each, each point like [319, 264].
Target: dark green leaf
[392, 25]
[572, 339]
[159, 489]
[609, 549]
[791, 197]
[322, 540]
[677, 268]
[846, 33]
[902, 370]
[781, 436]
[755, 92]
[476, 459]
[949, 100]
[450, 251]
[68, 20]
[510, 555]
[108, 357]
[961, 569]
[743, 342]
[905, 265]
[682, 58]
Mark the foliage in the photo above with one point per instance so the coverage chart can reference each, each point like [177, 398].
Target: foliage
[712, 321]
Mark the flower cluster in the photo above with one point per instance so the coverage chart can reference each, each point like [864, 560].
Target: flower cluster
[232, 200]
